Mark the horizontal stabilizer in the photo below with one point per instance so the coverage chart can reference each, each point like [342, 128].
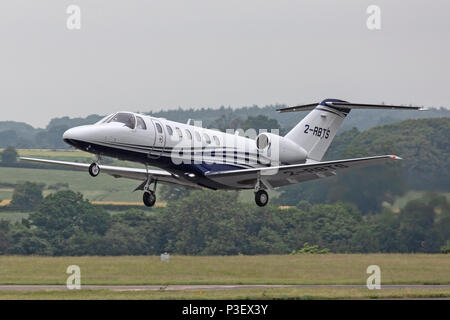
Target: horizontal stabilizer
[347, 105]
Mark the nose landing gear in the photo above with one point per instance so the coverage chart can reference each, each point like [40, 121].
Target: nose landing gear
[94, 169]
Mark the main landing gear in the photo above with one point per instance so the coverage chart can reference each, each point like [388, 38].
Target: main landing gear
[261, 196]
[149, 196]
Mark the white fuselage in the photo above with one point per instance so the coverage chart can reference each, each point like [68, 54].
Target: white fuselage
[182, 149]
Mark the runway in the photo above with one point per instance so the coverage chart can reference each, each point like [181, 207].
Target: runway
[206, 287]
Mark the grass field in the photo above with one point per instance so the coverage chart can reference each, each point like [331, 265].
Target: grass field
[270, 269]
[252, 294]
[101, 188]
[53, 153]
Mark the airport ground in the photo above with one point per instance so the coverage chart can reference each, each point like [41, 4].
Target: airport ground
[307, 276]
[328, 276]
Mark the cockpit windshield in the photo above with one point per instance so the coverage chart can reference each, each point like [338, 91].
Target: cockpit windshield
[126, 118]
[105, 119]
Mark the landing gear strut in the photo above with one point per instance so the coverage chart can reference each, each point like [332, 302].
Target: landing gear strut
[149, 196]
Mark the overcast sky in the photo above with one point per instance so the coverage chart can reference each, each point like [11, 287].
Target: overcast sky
[152, 55]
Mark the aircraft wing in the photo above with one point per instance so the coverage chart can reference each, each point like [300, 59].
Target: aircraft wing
[118, 172]
[273, 177]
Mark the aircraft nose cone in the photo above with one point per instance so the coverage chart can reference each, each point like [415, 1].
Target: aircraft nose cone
[77, 133]
[77, 136]
[69, 134]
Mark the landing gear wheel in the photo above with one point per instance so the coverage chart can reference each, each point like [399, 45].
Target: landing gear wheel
[261, 198]
[94, 169]
[149, 198]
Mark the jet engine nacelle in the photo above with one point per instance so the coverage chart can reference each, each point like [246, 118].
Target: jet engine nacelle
[280, 149]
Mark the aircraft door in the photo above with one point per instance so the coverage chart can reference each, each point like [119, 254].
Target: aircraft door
[160, 140]
[143, 133]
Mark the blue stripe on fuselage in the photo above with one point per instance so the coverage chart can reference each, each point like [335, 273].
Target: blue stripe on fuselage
[164, 162]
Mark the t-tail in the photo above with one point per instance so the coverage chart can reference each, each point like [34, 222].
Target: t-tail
[317, 130]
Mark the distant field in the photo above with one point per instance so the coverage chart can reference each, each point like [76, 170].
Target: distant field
[101, 188]
[67, 155]
[268, 269]
[53, 153]
[105, 188]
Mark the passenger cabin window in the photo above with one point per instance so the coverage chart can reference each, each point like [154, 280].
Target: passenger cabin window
[125, 118]
[158, 127]
[197, 136]
[140, 123]
[188, 134]
[180, 134]
[169, 130]
[216, 140]
[207, 139]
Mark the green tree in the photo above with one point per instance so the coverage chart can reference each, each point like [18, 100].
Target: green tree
[332, 225]
[122, 239]
[25, 241]
[425, 224]
[27, 196]
[416, 222]
[4, 237]
[260, 122]
[171, 193]
[64, 215]
[205, 222]
[9, 156]
[226, 121]
[84, 243]
[133, 232]
[377, 233]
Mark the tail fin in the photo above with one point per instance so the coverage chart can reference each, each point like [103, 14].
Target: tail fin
[316, 131]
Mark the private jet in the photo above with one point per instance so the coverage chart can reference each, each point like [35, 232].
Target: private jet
[191, 156]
